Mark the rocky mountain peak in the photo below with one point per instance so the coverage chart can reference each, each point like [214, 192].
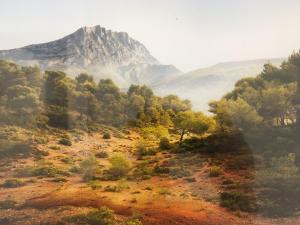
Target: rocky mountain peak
[96, 50]
[88, 46]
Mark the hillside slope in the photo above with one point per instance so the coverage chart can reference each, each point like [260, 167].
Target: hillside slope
[203, 85]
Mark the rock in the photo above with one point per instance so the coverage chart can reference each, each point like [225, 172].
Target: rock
[98, 51]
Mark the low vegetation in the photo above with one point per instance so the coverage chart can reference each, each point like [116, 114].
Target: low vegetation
[88, 168]
[119, 167]
[13, 183]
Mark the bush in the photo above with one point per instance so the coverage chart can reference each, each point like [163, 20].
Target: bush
[88, 168]
[241, 162]
[161, 170]
[165, 191]
[94, 184]
[112, 188]
[190, 179]
[215, 171]
[143, 150]
[164, 143]
[65, 141]
[15, 148]
[142, 171]
[13, 183]
[236, 201]
[102, 216]
[132, 222]
[7, 204]
[179, 172]
[228, 182]
[75, 169]
[101, 154]
[59, 180]
[279, 186]
[119, 167]
[106, 135]
[43, 171]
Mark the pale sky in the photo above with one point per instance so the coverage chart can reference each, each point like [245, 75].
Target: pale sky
[186, 33]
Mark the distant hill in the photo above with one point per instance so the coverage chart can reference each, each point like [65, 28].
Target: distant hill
[204, 85]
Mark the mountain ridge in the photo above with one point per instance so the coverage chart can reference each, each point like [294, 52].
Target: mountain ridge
[96, 50]
[115, 55]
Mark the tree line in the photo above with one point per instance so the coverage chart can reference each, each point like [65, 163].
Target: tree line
[31, 97]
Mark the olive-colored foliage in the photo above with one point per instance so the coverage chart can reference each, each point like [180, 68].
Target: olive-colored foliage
[164, 143]
[271, 99]
[88, 168]
[20, 94]
[189, 121]
[7, 204]
[154, 133]
[13, 183]
[9, 148]
[65, 141]
[102, 216]
[236, 200]
[29, 97]
[119, 167]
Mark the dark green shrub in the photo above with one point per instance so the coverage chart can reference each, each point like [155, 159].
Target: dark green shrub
[102, 216]
[60, 117]
[75, 169]
[161, 170]
[112, 189]
[241, 162]
[7, 204]
[165, 191]
[279, 187]
[132, 222]
[67, 160]
[65, 141]
[88, 168]
[43, 171]
[59, 180]
[101, 154]
[119, 167]
[164, 143]
[236, 201]
[227, 182]
[215, 171]
[94, 184]
[13, 183]
[142, 172]
[179, 172]
[190, 179]
[142, 151]
[15, 148]
[106, 135]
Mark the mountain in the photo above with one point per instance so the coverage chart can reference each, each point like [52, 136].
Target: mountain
[211, 83]
[115, 55]
[96, 50]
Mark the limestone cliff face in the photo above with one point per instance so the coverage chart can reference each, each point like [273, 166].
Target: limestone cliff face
[85, 47]
[97, 50]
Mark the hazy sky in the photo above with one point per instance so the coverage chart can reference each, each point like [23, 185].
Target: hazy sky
[187, 33]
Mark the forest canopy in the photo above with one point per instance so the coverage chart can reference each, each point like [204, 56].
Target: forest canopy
[29, 97]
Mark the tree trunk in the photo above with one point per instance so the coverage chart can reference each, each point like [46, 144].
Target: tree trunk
[181, 136]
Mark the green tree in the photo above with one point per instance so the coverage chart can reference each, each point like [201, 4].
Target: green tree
[191, 122]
